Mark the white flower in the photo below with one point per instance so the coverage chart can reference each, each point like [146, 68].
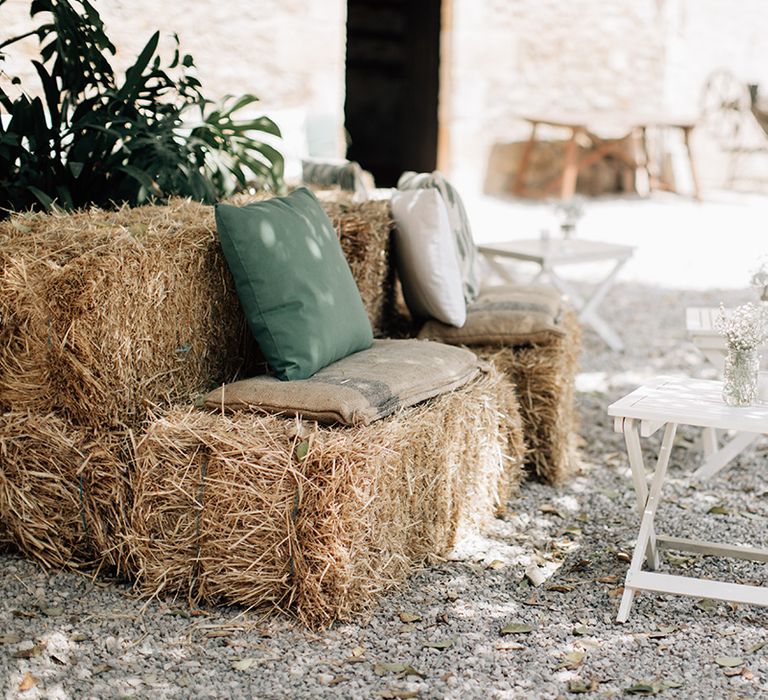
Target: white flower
[571, 210]
[744, 327]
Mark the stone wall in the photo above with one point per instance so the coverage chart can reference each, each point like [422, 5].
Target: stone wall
[500, 59]
[514, 57]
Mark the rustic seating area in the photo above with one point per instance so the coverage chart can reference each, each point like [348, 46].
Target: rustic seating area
[114, 327]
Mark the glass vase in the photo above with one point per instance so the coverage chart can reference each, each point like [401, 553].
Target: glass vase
[740, 376]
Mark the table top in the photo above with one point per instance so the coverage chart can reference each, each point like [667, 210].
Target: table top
[600, 121]
[557, 251]
[689, 401]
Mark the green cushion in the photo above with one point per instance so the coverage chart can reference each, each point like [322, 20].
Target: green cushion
[297, 292]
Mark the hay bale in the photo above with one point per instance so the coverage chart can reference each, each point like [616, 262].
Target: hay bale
[368, 522]
[23, 335]
[545, 375]
[213, 505]
[64, 491]
[127, 309]
[227, 509]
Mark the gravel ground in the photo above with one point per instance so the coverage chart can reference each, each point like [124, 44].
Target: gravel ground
[64, 636]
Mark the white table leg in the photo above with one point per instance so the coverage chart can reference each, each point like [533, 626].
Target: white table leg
[602, 289]
[646, 539]
[500, 269]
[637, 464]
[709, 441]
[589, 312]
[588, 308]
[720, 458]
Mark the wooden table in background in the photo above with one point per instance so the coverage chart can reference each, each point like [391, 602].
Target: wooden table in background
[627, 143]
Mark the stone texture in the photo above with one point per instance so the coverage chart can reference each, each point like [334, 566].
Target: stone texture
[289, 53]
[501, 58]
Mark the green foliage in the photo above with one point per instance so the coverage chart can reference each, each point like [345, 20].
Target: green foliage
[99, 138]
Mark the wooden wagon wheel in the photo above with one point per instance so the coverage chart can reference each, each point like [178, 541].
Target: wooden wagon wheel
[725, 105]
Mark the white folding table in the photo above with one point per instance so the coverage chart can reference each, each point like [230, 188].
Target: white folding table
[665, 403]
[553, 253]
[700, 324]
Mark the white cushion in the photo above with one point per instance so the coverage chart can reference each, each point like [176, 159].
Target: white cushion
[427, 258]
[457, 215]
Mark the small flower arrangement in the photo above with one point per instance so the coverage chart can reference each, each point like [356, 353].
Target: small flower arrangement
[569, 211]
[744, 328]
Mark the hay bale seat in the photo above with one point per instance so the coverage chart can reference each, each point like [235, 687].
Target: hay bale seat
[118, 311]
[539, 357]
[545, 374]
[261, 510]
[106, 316]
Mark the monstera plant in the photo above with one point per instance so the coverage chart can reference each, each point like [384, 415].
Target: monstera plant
[92, 136]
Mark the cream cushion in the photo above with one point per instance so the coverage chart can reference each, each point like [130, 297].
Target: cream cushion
[360, 388]
[427, 257]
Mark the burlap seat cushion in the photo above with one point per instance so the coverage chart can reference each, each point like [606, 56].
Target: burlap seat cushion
[360, 388]
[503, 316]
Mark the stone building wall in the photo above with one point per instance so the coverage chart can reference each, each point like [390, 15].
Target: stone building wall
[500, 59]
[704, 35]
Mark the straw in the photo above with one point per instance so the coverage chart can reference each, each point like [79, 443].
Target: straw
[64, 492]
[544, 375]
[264, 511]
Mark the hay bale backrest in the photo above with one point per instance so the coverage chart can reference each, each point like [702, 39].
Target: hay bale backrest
[106, 314]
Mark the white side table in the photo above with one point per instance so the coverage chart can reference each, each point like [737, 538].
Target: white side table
[700, 324]
[550, 254]
[666, 403]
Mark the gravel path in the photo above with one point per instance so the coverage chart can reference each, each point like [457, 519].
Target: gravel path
[65, 636]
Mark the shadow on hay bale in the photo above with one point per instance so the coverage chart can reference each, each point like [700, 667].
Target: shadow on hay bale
[545, 375]
[23, 334]
[64, 492]
[365, 233]
[260, 510]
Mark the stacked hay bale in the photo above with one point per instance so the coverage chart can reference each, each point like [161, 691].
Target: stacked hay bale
[365, 233]
[108, 313]
[544, 373]
[261, 510]
[104, 316]
[112, 322]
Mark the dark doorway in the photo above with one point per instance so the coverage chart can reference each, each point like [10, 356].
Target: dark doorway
[393, 61]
